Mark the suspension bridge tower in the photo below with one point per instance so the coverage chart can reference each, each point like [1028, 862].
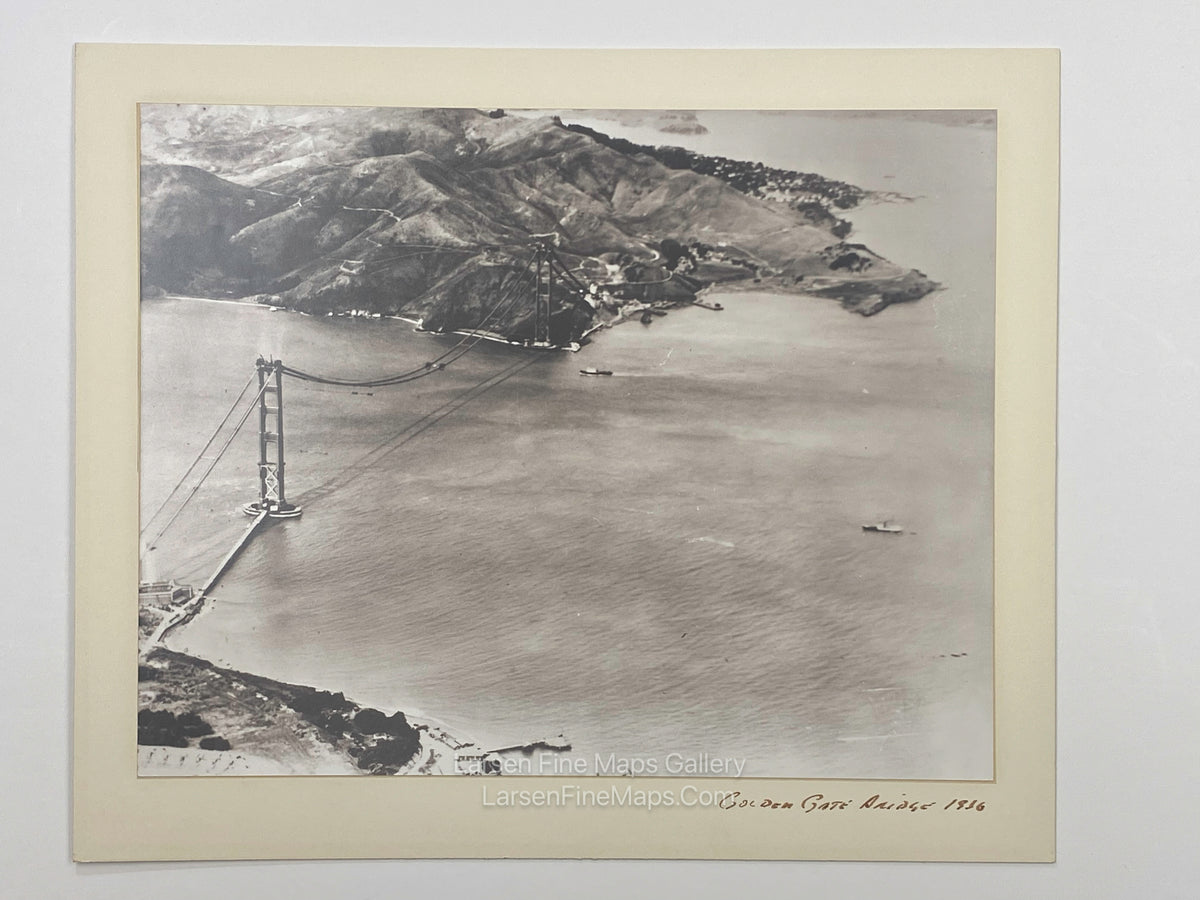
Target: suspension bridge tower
[544, 262]
[271, 496]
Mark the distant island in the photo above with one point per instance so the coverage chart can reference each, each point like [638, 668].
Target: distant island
[428, 214]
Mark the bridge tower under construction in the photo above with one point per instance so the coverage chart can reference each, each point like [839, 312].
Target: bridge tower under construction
[272, 496]
[542, 291]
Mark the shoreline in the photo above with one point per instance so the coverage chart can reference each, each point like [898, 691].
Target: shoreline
[262, 726]
[273, 736]
[866, 295]
[280, 727]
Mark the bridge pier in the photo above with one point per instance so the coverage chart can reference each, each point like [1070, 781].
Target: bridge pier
[272, 498]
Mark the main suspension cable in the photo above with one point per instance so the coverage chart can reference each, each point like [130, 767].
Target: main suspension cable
[468, 342]
[450, 355]
[199, 456]
[242, 421]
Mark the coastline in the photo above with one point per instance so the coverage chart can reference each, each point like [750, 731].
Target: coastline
[273, 727]
[260, 726]
[866, 295]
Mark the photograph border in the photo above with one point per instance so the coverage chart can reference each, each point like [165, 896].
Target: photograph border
[118, 816]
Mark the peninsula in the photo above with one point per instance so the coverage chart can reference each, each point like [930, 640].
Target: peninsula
[429, 214]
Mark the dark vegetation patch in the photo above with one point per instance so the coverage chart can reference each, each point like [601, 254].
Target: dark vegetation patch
[161, 727]
[384, 757]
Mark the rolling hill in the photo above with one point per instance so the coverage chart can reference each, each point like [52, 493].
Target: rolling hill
[429, 214]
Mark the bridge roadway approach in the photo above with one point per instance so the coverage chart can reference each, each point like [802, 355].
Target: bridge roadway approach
[188, 611]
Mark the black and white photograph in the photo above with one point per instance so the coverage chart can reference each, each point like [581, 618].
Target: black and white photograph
[791, 408]
[607, 442]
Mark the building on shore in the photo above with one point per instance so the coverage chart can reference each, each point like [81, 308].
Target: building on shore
[164, 594]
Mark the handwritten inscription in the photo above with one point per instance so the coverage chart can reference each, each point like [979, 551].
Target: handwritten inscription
[820, 803]
[735, 800]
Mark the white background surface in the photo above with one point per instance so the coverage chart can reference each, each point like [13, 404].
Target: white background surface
[1129, 473]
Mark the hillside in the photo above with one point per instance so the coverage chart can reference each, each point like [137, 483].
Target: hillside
[429, 213]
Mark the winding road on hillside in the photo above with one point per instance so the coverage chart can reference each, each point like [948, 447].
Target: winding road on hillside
[347, 265]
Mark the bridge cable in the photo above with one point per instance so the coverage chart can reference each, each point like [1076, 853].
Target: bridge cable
[199, 456]
[410, 431]
[242, 421]
[451, 355]
[508, 297]
[566, 271]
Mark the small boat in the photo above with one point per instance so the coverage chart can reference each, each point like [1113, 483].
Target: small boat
[591, 370]
[884, 528]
